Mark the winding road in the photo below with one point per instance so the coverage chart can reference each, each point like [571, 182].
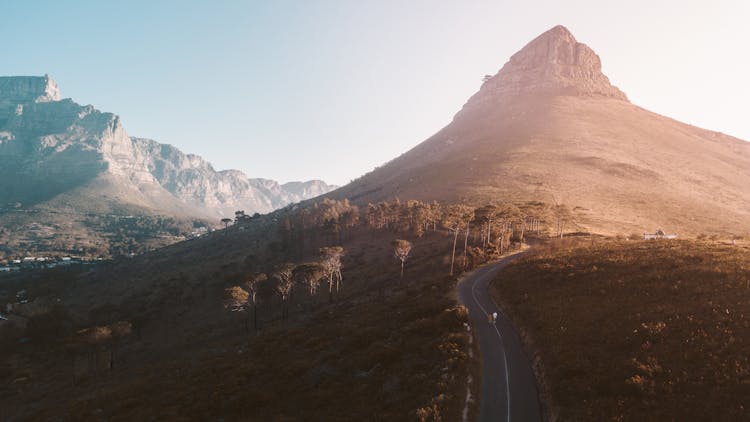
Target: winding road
[509, 391]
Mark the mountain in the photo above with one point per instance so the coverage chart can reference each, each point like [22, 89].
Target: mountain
[194, 182]
[550, 127]
[59, 157]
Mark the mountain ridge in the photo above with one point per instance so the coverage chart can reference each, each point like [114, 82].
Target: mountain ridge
[70, 170]
[41, 128]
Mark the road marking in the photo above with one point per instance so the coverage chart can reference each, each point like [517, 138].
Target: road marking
[502, 344]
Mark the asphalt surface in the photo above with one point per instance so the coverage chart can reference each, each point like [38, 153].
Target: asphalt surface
[509, 391]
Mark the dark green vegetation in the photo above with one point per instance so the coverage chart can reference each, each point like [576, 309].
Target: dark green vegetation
[634, 330]
[150, 336]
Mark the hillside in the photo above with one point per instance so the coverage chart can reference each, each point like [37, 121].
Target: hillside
[636, 331]
[375, 348]
[550, 127]
[65, 165]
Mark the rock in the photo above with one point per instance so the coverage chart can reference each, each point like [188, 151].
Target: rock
[553, 63]
[26, 89]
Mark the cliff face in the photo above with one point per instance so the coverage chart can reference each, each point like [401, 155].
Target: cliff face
[17, 90]
[195, 182]
[552, 64]
[51, 147]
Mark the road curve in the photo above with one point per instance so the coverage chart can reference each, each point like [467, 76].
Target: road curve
[509, 391]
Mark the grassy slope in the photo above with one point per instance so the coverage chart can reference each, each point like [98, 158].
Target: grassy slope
[637, 330]
[630, 169]
[363, 357]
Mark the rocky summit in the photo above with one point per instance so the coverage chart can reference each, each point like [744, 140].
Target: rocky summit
[554, 63]
[15, 91]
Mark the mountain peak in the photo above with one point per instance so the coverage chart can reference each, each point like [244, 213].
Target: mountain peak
[22, 89]
[18, 90]
[554, 63]
[560, 32]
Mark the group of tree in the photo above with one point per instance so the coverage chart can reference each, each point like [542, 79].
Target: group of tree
[240, 218]
[496, 217]
[97, 341]
[303, 228]
[283, 280]
[327, 213]
[493, 225]
[411, 216]
[489, 228]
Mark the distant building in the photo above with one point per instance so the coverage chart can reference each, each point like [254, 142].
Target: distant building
[659, 235]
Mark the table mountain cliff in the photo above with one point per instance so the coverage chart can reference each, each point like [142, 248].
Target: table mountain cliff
[50, 146]
[57, 156]
[550, 127]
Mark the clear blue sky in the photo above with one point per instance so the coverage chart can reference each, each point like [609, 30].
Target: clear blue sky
[295, 90]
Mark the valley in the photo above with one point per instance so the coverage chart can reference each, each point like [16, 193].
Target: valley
[318, 302]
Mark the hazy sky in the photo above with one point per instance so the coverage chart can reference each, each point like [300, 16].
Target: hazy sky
[294, 90]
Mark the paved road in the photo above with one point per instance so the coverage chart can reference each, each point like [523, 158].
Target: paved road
[509, 391]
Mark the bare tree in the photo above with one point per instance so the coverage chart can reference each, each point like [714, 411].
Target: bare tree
[506, 214]
[310, 275]
[252, 285]
[457, 218]
[401, 249]
[95, 338]
[563, 216]
[486, 217]
[285, 285]
[120, 330]
[330, 260]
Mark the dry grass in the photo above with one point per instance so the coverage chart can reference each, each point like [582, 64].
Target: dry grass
[637, 330]
[399, 356]
[630, 169]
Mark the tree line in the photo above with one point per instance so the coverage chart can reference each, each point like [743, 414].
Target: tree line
[282, 282]
[484, 230]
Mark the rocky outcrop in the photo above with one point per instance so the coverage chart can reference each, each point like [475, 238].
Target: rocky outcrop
[26, 89]
[553, 63]
[50, 147]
